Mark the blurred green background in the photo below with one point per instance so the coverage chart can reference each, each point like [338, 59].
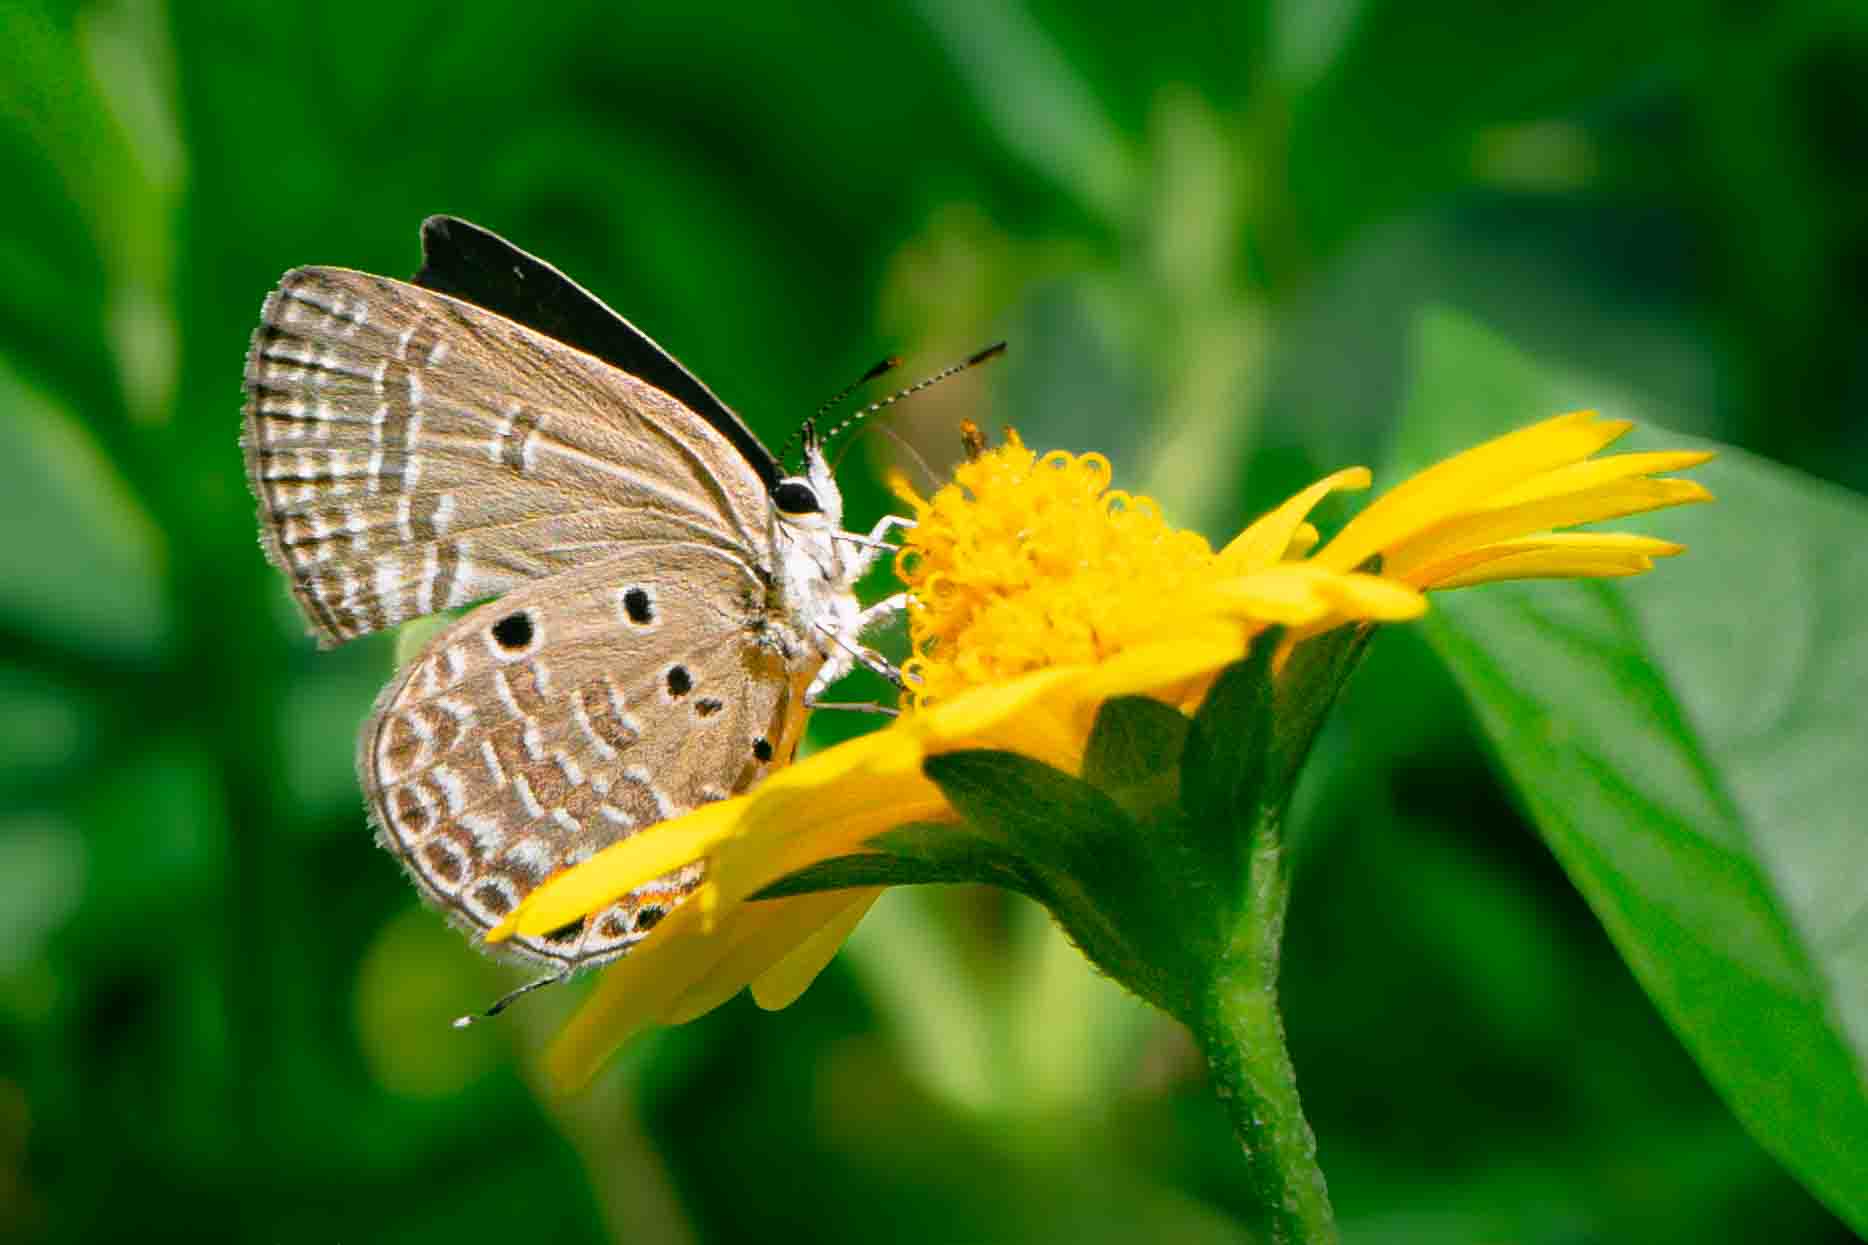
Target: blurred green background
[1209, 233]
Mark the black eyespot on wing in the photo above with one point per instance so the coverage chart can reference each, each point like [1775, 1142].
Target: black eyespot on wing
[514, 631]
[680, 682]
[648, 918]
[795, 497]
[708, 706]
[494, 899]
[638, 607]
[762, 748]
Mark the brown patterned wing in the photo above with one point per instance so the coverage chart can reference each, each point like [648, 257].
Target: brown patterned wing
[412, 452]
[570, 714]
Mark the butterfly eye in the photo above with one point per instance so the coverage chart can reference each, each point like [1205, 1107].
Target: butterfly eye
[795, 497]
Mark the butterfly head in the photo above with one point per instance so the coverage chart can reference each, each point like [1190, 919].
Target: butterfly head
[815, 571]
[812, 501]
[810, 508]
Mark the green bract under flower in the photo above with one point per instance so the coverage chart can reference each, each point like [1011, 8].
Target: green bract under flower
[1037, 596]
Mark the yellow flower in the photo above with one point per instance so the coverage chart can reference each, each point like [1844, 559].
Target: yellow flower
[1036, 594]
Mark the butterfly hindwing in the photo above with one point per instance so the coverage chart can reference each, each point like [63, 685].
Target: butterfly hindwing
[412, 452]
[568, 715]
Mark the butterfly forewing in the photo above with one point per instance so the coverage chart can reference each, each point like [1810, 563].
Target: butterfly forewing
[413, 452]
[482, 268]
[658, 623]
[567, 715]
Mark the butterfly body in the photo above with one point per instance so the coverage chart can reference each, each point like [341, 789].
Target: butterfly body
[661, 602]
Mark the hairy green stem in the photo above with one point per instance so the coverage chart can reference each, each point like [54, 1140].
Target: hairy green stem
[1243, 1037]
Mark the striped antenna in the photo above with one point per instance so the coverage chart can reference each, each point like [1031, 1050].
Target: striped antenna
[837, 399]
[991, 352]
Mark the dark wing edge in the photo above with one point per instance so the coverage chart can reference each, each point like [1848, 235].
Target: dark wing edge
[478, 266]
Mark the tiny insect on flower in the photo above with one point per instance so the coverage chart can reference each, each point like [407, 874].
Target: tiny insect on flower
[1036, 594]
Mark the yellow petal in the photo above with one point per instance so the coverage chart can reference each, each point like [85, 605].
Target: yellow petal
[1371, 598]
[883, 751]
[979, 711]
[795, 837]
[1269, 539]
[1465, 479]
[982, 714]
[1271, 596]
[620, 868]
[1594, 548]
[1584, 475]
[630, 994]
[1156, 669]
[779, 986]
[1552, 564]
[1612, 500]
[1301, 594]
[662, 848]
[764, 934]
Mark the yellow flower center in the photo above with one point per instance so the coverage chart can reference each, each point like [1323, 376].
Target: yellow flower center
[1025, 562]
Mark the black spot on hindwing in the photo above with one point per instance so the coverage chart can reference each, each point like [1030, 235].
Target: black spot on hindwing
[513, 632]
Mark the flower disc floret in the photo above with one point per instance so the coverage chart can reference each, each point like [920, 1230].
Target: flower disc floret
[1026, 562]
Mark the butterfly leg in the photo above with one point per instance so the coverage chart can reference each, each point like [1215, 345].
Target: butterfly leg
[882, 611]
[843, 662]
[851, 653]
[855, 706]
[875, 545]
[885, 610]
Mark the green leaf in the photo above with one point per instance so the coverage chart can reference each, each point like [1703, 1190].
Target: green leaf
[1040, 108]
[89, 576]
[917, 854]
[1136, 902]
[1402, 111]
[1252, 733]
[1223, 770]
[1691, 746]
[1134, 751]
[1308, 686]
[1133, 739]
[1056, 822]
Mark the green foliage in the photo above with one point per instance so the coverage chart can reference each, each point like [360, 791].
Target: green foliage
[1154, 858]
[1229, 754]
[1208, 236]
[1134, 753]
[1691, 746]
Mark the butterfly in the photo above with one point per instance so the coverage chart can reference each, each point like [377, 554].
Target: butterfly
[663, 602]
